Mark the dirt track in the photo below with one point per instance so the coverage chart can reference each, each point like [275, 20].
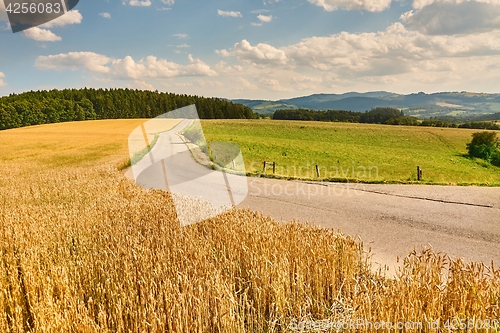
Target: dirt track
[391, 219]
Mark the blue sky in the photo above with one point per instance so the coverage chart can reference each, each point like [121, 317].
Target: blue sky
[268, 49]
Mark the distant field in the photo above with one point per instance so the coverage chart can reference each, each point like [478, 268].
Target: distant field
[82, 143]
[355, 152]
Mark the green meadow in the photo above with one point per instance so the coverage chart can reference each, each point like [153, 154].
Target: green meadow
[355, 152]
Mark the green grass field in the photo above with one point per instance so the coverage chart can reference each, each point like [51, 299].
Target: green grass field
[355, 152]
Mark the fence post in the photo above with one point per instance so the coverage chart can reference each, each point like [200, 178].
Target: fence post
[274, 167]
[317, 171]
[419, 173]
[264, 170]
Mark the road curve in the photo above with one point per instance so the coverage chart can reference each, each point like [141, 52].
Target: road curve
[392, 220]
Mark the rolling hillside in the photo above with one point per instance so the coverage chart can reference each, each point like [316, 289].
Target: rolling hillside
[463, 104]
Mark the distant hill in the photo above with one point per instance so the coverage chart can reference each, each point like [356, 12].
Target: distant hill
[265, 107]
[465, 105]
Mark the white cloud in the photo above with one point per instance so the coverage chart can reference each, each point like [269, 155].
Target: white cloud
[223, 53]
[368, 5]
[259, 54]
[71, 17]
[105, 15]
[244, 84]
[417, 4]
[126, 68]
[41, 35]
[272, 84]
[73, 61]
[138, 3]
[228, 13]
[387, 57]
[182, 46]
[2, 82]
[168, 3]
[259, 11]
[45, 35]
[303, 79]
[256, 24]
[451, 18]
[223, 67]
[181, 36]
[141, 85]
[265, 18]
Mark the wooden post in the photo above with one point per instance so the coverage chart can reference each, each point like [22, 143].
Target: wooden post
[274, 167]
[264, 170]
[317, 171]
[419, 173]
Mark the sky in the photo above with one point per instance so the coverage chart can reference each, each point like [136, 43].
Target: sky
[259, 49]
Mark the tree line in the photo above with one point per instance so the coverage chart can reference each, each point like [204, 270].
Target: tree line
[43, 107]
[378, 115]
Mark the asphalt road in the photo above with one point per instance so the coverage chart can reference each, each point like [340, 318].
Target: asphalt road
[392, 220]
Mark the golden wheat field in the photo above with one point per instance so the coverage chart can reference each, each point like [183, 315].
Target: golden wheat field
[83, 249]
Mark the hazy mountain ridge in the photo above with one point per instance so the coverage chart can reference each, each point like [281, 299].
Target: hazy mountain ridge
[441, 104]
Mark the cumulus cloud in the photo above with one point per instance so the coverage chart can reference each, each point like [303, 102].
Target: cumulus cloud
[394, 51]
[368, 5]
[223, 67]
[181, 36]
[259, 54]
[141, 85]
[451, 18]
[259, 11]
[71, 17]
[151, 67]
[168, 2]
[105, 15]
[41, 35]
[417, 4]
[228, 13]
[2, 82]
[245, 84]
[265, 18]
[305, 80]
[126, 68]
[90, 61]
[272, 84]
[138, 3]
